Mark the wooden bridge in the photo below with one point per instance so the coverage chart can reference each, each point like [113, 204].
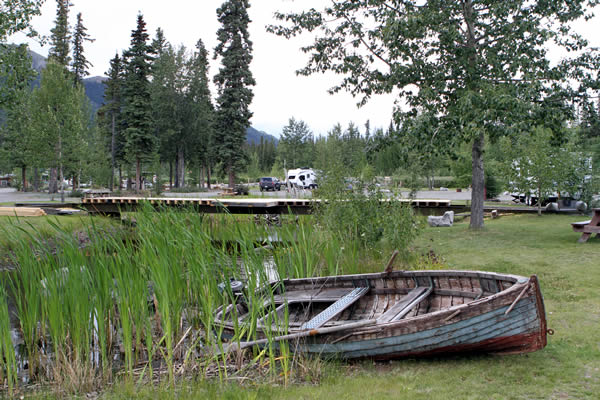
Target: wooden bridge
[116, 205]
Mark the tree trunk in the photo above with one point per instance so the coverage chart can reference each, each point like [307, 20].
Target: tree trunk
[201, 177]
[208, 176]
[62, 184]
[62, 177]
[539, 201]
[36, 180]
[138, 175]
[113, 153]
[477, 183]
[53, 182]
[170, 175]
[24, 178]
[231, 174]
[180, 167]
[120, 178]
[177, 184]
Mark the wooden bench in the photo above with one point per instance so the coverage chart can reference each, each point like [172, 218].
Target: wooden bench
[227, 192]
[95, 193]
[588, 228]
[580, 225]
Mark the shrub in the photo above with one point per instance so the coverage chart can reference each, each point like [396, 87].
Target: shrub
[362, 215]
[241, 190]
[492, 187]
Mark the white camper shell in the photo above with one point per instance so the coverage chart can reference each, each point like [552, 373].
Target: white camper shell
[303, 178]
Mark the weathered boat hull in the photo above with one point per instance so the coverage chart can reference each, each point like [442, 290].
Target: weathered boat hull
[511, 320]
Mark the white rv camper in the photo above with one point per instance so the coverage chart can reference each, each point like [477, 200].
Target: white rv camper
[303, 178]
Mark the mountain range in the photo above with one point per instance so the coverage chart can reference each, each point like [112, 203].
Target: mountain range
[94, 89]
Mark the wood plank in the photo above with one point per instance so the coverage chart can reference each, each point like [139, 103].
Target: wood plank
[461, 293]
[336, 308]
[312, 295]
[581, 223]
[401, 306]
[446, 302]
[22, 211]
[591, 229]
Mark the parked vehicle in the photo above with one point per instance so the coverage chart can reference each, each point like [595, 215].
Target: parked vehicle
[399, 314]
[269, 183]
[304, 178]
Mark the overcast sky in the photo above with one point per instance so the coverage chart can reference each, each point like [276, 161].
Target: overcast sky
[278, 95]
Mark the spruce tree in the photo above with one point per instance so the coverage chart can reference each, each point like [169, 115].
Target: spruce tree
[80, 64]
[140, 140]
[165, 100]
[233, 81]
[60, 39]
[200, 109]
[112, 109]
[61, 36]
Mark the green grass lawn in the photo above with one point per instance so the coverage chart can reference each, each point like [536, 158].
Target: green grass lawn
[568, 368]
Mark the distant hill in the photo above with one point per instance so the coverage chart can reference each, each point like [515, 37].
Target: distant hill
[253, 136]
[94, 89]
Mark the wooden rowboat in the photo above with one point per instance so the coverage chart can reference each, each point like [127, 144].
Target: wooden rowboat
[401, 314]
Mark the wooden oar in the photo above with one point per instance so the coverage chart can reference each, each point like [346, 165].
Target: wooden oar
[390, 265]
[311, 332]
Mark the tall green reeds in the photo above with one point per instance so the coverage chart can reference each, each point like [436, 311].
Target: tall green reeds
[8, 362]
[149, 293]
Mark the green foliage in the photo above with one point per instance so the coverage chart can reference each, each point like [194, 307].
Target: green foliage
[8, 363]
[16, 15]
[346, 147]
[16, 146]
[109, 117]
[263, 156]
[354, 209]
[60, 116]
[234, 81]
[536, 166]
[493, 187]
[182, 107]
[61, 35]
[475, 68]
[140, 139]
[200, 110]
[80, 63]
[296, 145]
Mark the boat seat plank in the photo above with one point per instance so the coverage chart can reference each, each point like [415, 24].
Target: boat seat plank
[312, 295]
[402, 306]
[336, 308]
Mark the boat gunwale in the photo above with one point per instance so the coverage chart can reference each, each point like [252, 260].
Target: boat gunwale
[404, 274]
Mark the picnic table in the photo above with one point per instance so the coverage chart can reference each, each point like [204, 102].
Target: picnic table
[588, 228]
[94, 193]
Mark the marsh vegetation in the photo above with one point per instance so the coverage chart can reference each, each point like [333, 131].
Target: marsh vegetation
[95, 301]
